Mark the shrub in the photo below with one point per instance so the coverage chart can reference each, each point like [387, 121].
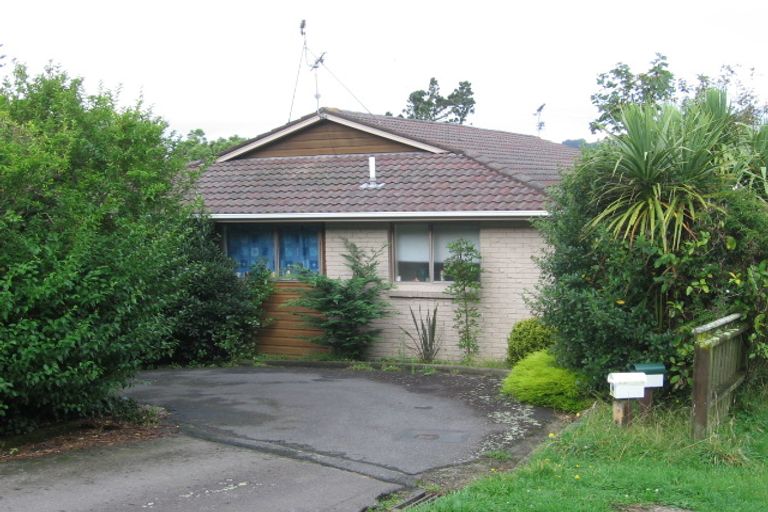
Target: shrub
[537, 380]
[528, 336]
[90, 215]
[426, 343]
[463, 267]
[346, 306]
[216, 313]
[619, 286]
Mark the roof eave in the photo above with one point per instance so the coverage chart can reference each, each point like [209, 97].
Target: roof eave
[382, 216]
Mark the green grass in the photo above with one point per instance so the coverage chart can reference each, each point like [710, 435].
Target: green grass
[595, 466]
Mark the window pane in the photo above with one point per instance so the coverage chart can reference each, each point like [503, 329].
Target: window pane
[442, 235]
[412, 248]
[248, 244]
[299, 246]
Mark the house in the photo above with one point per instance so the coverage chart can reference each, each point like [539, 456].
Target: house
[292, 195]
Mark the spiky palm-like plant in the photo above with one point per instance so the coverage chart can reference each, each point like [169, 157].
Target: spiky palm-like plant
[663, 171]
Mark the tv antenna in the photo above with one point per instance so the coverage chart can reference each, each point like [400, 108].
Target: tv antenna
[539, 122]
[313, 62]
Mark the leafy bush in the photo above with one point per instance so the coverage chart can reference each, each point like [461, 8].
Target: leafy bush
[346, 306]
[89, 218]
[463, 267]
[426, 343]
[621, 286]
[537, 380]
[528, 336]
[215, 313]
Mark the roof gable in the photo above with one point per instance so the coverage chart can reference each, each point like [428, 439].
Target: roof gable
[325, 134]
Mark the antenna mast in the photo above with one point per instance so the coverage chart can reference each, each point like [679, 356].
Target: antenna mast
[313, 66]
[539, 122]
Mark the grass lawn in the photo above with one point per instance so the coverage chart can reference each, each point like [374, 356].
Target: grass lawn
[595, 466]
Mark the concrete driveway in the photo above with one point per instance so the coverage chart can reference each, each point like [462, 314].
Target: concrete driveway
[278, 439]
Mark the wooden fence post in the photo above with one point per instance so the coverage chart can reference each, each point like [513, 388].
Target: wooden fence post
[701, 391]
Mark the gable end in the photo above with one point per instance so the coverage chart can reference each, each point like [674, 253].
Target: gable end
[328, 138]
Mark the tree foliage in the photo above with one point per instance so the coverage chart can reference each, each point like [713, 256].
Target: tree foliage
[214, 314]
[95, 232]
[430, 105]
[463, 268]
[621, 87]
[86, 188]
[196, 146]
[346, 307]
[655, 230]
[657, 176]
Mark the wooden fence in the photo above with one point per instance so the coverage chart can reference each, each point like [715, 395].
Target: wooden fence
[718, 369]
[287, 334]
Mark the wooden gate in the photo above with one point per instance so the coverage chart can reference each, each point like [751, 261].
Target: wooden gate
[287, 333]
[719, 367]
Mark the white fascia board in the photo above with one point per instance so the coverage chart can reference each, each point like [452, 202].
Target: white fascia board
[383, 216]
[384, 134]
[266, 140]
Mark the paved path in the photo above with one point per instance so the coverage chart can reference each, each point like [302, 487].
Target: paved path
[180, 474]
[336, 418]
[266, 439]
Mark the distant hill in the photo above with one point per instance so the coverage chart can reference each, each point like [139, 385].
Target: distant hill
[579, 143]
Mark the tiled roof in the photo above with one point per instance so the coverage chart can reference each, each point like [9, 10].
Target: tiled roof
[413, 182]
[482, 170]
[533, 160]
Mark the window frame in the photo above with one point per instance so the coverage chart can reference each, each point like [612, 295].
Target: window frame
[430, 240]
[276, 229]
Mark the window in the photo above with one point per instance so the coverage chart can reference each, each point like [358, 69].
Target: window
[421, 249]
[280, 248]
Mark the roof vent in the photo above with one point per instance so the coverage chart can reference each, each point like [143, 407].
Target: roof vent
[372, 183]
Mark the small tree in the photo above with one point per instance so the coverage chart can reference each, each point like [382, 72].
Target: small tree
[430, 105]
[463, 267]
[346, 306]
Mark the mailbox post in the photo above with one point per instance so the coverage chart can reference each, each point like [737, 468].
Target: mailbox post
[624, 388]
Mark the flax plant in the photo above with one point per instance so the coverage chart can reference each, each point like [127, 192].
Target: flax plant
[663, 171]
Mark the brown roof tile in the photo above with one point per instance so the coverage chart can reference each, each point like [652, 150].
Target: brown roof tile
[530, 159]
[413, 182]
[484, 170]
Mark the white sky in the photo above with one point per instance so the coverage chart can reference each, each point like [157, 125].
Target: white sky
[229, 67]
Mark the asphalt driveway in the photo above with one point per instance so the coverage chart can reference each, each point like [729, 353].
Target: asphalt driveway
[280, 439]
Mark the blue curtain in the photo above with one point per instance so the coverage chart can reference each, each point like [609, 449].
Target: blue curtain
[299, 247]
[248, 244]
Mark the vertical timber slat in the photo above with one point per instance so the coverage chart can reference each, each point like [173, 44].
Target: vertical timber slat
[718, 369]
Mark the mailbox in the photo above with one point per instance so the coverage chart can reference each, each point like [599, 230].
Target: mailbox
[654, 373]
[627, 385]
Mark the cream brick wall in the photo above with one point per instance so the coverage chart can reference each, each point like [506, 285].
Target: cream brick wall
[509, 272]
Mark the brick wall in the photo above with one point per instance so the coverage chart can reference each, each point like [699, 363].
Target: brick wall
[508, 272]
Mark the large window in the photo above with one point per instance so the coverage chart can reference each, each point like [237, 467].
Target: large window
[421, 249]
[280, 248]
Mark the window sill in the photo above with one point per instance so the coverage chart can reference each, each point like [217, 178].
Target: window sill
[420, 291]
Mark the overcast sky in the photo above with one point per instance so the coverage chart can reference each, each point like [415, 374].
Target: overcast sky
[230, 67]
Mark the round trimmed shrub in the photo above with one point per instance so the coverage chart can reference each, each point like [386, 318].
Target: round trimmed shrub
[528, 336]
[537, 380]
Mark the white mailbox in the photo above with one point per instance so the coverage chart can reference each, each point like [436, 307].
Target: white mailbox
[627, 385]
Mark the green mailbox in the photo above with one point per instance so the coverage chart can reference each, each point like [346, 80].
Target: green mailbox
[654, 373]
